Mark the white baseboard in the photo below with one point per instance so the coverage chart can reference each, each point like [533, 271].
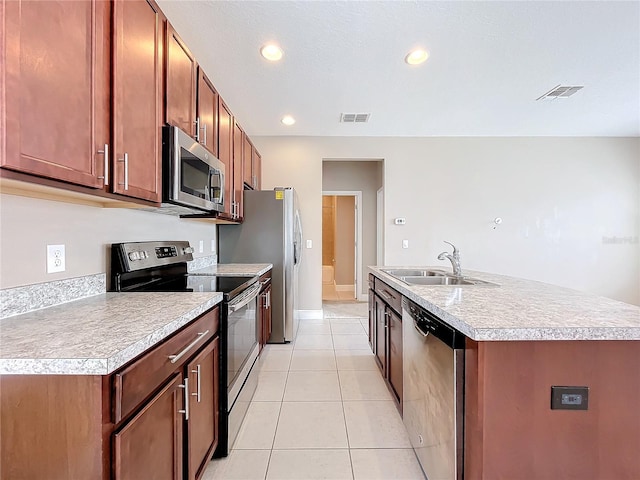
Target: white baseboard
[309, 314]
[345, 288]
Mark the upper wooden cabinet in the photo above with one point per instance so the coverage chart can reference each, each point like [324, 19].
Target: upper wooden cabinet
[252, 165]
[56, 121]
[180, 84]
[207, 114]
[239, 165]
[225, 154]
[256, 162]
[58, 118]
[138, 28]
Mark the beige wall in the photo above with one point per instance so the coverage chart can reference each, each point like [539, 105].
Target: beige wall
[345, 240]
[366, 177]
[559, 198]
[28, 225]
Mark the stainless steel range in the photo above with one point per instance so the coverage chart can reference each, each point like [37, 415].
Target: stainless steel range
[162, 267]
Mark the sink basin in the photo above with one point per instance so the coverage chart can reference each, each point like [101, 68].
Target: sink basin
[414, 272]
[437, 280]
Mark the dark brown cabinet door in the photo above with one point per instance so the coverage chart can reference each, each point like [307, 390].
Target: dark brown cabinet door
[247, 162]
[56, 66]
[239, 145]
[207, 119]
[257, 170]
[202, 425]
[150, 444]
[181, 84]
[225, 154]
[265, 316]
[381, 335]
[137, 66]
[372, 321]
[394, 366]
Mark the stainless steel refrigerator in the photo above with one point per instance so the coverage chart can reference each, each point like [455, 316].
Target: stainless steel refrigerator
[270, 233]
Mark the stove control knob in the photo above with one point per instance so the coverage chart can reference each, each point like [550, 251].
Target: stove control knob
[188, 250]
[133, 256]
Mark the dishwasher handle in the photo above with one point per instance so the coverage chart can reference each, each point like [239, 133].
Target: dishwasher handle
[422, 333]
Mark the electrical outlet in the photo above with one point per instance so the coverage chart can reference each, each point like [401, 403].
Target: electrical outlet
[405, 243]
[309, 243]
[201, 246]
[55, 258]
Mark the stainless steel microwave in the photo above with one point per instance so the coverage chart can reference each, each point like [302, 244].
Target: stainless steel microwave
[192, 176]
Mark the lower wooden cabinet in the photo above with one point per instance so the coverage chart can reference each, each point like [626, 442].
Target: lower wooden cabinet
[264, 310]
[155, 418]
[385, 334]
[202, 398]
[150, 444]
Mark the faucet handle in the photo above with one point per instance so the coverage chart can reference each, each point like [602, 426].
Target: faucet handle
[455, 249]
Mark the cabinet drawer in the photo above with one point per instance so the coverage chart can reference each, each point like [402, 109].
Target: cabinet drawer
[389, 295]
[134, 383]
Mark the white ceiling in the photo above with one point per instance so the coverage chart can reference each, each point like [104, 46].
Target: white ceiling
[489, 62]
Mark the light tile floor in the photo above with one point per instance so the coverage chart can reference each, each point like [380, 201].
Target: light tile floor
[321, 410]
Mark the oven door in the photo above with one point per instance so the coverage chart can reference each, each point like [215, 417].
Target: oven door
[196, 176]
[242, 339]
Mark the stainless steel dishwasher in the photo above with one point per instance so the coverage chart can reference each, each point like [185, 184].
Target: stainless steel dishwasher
[433, 403]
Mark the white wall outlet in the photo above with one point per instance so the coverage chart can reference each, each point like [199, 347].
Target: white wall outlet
[213, 245]
[405, 243]
[201, 246]
[309, 243]
[55, 258]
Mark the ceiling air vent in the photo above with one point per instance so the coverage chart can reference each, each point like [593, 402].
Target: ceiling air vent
[560, 91]
[354, 117]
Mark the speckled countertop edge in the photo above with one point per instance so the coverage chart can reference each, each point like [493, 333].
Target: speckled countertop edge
[234, 269]
[40, 343]
[521, 310]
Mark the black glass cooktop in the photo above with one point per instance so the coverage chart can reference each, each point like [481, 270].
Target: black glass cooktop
[230, 286]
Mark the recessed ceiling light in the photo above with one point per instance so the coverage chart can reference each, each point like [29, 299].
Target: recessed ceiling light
[416, 57]
[288, 120]
[271, 52]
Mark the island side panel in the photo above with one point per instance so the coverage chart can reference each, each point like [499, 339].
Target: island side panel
[511, 431]
[51, 426]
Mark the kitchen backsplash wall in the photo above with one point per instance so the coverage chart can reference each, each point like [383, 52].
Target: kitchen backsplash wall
[29, 225]
[570, 207]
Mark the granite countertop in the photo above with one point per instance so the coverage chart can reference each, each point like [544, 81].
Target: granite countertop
[234, 269]
[95, 335]
[519, 309]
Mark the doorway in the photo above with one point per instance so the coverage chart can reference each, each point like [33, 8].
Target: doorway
[341, 255]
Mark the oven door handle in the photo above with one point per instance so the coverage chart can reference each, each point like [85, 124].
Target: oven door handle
[246, 297]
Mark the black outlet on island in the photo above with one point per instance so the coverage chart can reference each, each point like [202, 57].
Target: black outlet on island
[569, 398]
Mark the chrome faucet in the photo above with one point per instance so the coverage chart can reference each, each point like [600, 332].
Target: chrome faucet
[453, 258]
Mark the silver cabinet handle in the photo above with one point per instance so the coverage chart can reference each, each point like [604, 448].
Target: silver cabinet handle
[197, 135]
[269, 299]
[185, 386]
[205, 134]
[106, 163]
[197, 392]
[178, 356]
[254, 181]
[126, 170]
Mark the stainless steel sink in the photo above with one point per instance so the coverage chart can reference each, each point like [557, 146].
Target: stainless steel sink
[402, 272]
[441, 280]
[432, 277]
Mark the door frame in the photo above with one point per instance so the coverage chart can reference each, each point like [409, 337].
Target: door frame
[358, 232]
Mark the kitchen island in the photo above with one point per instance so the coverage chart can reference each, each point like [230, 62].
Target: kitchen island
[523, 337]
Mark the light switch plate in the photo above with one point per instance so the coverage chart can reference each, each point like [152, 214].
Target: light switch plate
[201, 246]
[55, 258]
[405, 243]
[309, 243]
